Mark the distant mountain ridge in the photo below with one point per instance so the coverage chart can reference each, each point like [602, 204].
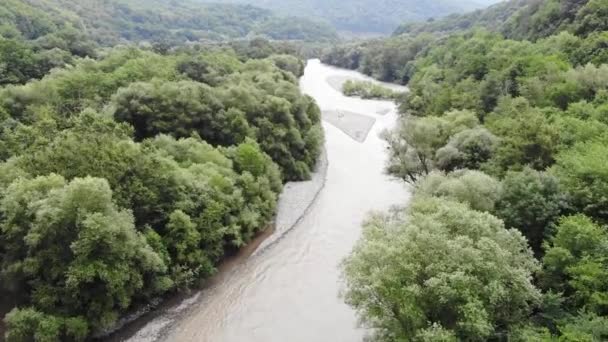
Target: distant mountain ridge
[380, 16]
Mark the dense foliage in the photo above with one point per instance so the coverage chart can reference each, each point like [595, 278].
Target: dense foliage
[132, 175]
[442, 270]
[366, 16]
[507, 125]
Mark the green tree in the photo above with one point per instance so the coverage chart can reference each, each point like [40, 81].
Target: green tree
[468, 149]
[527, 137]
[289, 63]
[474, 188]
[100, 147]
[180, 109]
[29, 324]
[183, 242]
[530, 201]
[584, 327]
[17, 62]
[575, 264]
[589, 18]
[75, 252]
[414, 144]
[440, 269]
[582, 172]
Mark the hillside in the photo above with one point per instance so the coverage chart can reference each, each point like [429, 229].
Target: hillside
[110, 22]
[490, 18]
[522, 19]
[392, 59]
[366, 16]
[39, 35]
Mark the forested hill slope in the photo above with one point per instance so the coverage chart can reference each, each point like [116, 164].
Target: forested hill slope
[380, 16]
[523, 19]
[490, 18]
[109, 22]
[392, 59]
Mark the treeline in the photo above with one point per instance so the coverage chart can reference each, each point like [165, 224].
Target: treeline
[131, 176]
[505, 144]
[392, 59]
[389, 60]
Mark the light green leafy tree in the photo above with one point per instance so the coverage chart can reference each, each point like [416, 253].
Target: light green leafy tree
[414, 144]
[474, 188]
[440, 269]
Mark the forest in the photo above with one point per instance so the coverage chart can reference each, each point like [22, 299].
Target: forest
[503, 139]
[144, 141]
[39, 35]
[128, 172]
[392, 59]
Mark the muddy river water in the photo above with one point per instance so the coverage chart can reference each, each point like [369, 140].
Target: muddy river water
[288, 290]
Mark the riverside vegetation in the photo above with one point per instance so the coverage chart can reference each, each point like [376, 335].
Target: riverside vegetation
[368, 90]
[504, 139]
[128, 173]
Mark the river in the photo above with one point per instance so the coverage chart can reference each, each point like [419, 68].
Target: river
[289, 291]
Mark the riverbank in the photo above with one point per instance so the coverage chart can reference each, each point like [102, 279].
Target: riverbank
[295, 201]
[149, 323]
